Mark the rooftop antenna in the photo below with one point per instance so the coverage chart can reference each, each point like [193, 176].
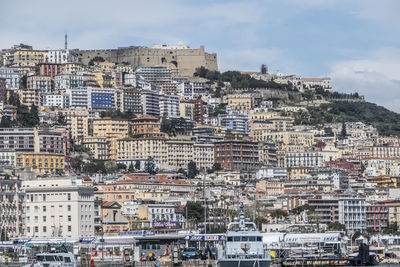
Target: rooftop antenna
[66, 42]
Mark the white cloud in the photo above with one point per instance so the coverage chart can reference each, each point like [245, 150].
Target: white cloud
[376, 76]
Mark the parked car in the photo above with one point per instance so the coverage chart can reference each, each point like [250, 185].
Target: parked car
[189, 253]
[204, 253]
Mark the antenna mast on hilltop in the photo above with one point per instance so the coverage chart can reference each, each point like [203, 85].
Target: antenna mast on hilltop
[66, 42]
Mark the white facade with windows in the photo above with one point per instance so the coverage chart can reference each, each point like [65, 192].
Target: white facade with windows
[61, 56]
[169, 106]
[304, 159]
[352, 214]
[53, 100]
[58, 208]
[66, 81]
[12, 77]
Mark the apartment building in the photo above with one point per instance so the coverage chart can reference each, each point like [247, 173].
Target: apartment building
[11, 76]
[41, 162]
[236, 155]
[58, 208]
[143, 148]
[42, 83]
[241, 103]
[11, 207]
[304, 159]
[169, 106]
[77, 122]
[145, 125]
[68, 80]
[132, 100]
[235, 122]
[98, 146]
[203, 156]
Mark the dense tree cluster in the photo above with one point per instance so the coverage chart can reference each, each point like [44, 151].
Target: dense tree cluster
[239, 80]
[384, 120]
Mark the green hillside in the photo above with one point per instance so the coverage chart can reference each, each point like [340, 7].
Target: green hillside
[387, 122]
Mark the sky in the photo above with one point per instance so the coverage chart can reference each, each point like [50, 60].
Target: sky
[355, 42]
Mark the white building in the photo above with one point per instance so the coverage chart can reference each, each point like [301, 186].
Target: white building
[271, 173]
[67, 80]
[235, 122]
[53, 100]
[61, 56]
[7, 158]
[304, 159]
[58, 208]
[352, 214]
[169, 106]
[151, 103]
[12, 77]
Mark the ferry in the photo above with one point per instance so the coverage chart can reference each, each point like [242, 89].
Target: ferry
[244, 245]
[53, 260]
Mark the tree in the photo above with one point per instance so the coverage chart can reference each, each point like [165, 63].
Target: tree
[96, 59]
[344, 132]
[137, 165]
[336, 227]
[216, 167]
[131, 168]
[121, 166]
[61, 119]
[150, 166]
[194, 211]
[110, 166]
[77, 163]
[192, 170]
[23, 82]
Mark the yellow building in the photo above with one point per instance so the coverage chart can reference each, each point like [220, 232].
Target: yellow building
[385, 181]
[72, 67]
[241, 103]
[145, 125]
[187, 109]
[105, 66]
[23, 58]
[41, 163]
[104, 80]
[113, 129]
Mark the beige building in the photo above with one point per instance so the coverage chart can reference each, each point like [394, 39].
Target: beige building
[77, 123]
[187, 110]
[23, 58]
[143, 148]
[72, 67]
[286, 138]
[203, 156]
[98, 146]
[29, 97]
[180, 153]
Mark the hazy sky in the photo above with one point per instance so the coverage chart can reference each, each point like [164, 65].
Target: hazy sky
[356, 42]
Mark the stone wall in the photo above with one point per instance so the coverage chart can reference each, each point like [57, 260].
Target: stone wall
[185, 61]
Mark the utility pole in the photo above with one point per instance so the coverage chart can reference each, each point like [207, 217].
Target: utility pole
[204, 197]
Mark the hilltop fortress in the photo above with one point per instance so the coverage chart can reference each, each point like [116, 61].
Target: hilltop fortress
[182, 59]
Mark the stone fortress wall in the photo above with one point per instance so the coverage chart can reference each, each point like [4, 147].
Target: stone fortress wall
[182, 59]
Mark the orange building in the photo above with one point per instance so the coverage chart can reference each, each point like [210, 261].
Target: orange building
[145, 125]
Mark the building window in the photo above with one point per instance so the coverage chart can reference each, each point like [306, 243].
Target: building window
[36, 229]
[69, 218]
[69, 228]
[44, 218]
[44, 229]
[69, 196]
[69, 207]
